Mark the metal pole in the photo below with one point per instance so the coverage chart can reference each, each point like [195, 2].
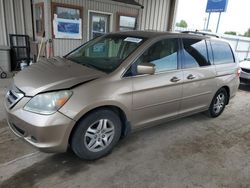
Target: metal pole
[208, 20]
[205, 23]
[2, 12]
[32, 19]
[218, 23]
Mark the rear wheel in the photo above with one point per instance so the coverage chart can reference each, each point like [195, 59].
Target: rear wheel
[96, 134]
[218, 103]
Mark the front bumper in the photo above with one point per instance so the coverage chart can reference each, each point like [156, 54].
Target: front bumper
[245, 78]
[48, 133]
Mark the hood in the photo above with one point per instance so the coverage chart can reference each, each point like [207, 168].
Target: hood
[245, 64]
[53, 74]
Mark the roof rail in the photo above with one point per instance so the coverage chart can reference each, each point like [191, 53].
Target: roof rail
[201, 33]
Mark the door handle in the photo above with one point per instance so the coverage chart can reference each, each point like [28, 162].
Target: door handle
[175, 79]
[191, 77]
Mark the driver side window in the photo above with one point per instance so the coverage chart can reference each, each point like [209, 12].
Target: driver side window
[162, 54]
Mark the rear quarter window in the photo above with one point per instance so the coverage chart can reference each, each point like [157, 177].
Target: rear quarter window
[222, 53]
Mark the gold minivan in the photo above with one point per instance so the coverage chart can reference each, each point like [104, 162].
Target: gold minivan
[117, 83]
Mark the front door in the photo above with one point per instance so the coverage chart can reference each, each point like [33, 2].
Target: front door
[99, 24]
[157, 97]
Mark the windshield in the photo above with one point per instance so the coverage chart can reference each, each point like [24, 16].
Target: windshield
[105, 53]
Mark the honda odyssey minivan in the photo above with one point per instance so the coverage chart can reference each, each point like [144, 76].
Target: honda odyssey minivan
[117, 83]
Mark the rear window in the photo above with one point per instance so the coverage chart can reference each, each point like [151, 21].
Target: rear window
[222, 53]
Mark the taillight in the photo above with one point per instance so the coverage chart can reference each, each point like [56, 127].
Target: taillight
[238, 72]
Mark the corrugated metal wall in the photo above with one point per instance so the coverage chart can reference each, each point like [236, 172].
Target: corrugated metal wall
[15, 18]
[154, 16]
[63, 46]
[3, 40]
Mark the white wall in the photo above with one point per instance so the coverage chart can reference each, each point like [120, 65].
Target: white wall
[240, 44]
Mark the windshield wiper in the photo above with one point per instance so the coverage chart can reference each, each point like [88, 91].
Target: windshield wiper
[90, 66]
[85, 64]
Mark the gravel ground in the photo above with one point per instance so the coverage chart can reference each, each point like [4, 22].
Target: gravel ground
[195, 151]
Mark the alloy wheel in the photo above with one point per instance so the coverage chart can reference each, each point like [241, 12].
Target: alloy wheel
[99, 135]
[219, 103]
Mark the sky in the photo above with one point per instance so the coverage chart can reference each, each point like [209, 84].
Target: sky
[237, 17]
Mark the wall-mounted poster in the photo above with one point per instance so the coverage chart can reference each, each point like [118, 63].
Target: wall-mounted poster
[67, 23]
[66, 28]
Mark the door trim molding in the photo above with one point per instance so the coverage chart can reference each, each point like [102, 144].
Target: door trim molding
[157, 104]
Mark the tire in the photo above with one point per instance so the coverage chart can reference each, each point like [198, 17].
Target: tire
[96, 134]
[3, 75]
[218, 103]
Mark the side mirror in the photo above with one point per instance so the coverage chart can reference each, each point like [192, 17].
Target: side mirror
[146, 68]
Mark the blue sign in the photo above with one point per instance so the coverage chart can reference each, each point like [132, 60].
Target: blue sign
[67, 27]
[216, 5]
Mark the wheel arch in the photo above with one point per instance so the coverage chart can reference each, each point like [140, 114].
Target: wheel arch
[228, 93]
[126, 126]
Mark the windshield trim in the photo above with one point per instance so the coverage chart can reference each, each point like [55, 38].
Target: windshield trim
[86, 65]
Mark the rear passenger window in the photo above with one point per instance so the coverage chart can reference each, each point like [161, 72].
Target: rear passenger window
[195, 53]
[222, 53]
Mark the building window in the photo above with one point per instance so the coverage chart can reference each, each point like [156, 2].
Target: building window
[67, 21]
[67, 13]
[126, 22]
[99, 24]
[39, 18]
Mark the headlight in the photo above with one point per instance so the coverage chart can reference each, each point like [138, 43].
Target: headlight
[48, 103]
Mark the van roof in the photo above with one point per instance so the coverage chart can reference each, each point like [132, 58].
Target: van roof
[154, 34]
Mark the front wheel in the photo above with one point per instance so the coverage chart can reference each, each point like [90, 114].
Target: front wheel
[96, 134]
[218, 103]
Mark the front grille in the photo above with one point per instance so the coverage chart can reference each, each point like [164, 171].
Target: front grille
[246, 70]
[13, 96]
